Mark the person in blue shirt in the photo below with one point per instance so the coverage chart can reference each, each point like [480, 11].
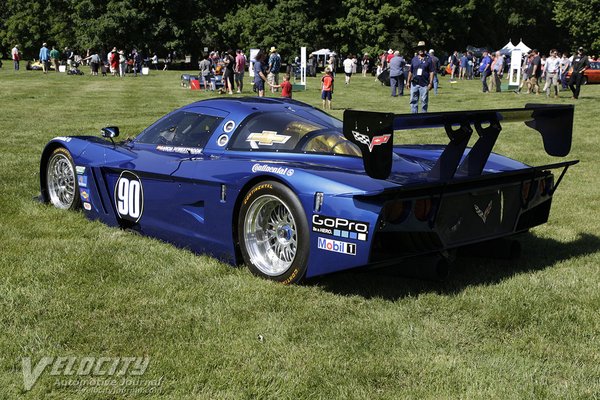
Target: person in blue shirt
[420, 79]
[485, 69]
[273, 70]
[435, 63]
[259, 73]
[464, 64]
[45, 58]
[397, 74]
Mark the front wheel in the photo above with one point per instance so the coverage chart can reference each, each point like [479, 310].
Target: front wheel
[61, 180]
[273, 233]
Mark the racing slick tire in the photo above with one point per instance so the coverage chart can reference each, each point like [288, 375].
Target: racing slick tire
[273, 233]
[61, 180]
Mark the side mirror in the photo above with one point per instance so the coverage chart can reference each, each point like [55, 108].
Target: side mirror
[110, 132]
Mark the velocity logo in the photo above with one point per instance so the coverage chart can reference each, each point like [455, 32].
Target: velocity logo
[337, 246]
[84, 366]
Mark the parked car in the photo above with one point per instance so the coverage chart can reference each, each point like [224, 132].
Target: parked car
[293, 192]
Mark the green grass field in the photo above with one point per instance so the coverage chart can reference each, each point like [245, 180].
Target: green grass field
[495, 330]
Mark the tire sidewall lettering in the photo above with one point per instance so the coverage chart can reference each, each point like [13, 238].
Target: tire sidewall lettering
[255, 190]
[129, 197]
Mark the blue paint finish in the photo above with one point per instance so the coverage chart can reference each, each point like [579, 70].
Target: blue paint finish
[183, 192]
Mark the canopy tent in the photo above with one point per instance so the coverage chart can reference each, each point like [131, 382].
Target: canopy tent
[508, 48]
[523, 47]
[325, 53]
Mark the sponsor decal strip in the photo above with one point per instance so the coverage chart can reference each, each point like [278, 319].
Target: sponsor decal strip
[181, 150]
[274, 170]
[336, 246]
[82, 181]
[85, 194]
[340, 227]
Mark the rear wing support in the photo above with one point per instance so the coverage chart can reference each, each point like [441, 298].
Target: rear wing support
[373, 132]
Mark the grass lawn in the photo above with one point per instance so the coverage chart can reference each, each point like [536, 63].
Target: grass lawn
[495, 330]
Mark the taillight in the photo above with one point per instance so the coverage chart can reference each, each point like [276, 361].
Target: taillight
[396, 212]
[422, 209]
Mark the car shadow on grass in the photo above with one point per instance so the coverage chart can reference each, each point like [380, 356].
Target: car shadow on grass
[390, 283]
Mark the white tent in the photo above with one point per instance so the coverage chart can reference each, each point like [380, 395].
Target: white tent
[508, 48]
[325, 53]
[523, 47]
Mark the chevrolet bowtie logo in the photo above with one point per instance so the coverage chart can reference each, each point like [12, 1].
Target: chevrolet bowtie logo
[266, 138]
[483, 214]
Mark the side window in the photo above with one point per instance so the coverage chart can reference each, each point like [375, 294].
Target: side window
[273, 132]
[181, 129]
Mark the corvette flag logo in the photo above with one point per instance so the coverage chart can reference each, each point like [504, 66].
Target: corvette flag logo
[376, 141]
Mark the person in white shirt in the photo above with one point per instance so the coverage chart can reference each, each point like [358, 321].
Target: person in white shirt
[16, 56]
[348, 66]
[551, 72]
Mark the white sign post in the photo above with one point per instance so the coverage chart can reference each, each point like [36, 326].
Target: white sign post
[303, 66]
[253, 53]
[514, 77]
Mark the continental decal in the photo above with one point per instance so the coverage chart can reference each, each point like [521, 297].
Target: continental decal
[256, 189]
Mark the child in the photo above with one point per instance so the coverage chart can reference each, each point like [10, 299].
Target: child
[286, 87]
[327, 89]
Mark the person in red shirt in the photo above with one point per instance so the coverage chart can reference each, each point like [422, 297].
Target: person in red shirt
[286, 87]
[327, 89]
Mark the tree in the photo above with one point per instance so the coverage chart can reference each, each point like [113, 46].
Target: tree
[287, 25]
[580, 19]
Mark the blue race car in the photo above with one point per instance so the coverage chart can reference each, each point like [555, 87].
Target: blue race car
[293, 192]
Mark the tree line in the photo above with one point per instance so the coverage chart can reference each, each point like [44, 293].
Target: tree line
[347, 26]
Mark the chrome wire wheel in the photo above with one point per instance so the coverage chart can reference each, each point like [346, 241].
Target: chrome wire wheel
[61, 180]
[270, 235]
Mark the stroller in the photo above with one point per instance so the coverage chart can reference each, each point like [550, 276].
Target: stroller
[74, 70]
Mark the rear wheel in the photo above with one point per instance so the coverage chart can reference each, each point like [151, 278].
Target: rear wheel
[585, 80]
[61, 180]
[273, 233]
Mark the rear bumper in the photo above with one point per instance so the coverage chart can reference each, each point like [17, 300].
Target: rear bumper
[438, 217]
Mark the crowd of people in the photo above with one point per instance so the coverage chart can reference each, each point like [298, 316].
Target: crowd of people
[539, 73]
[115, 62]
[419, 75]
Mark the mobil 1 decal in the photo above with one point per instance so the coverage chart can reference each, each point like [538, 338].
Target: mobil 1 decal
[129, 196]
[340, 227]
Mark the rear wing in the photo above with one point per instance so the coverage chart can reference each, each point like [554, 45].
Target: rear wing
[373, 132]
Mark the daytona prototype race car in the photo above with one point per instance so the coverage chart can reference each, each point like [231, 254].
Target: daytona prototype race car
[293, 192]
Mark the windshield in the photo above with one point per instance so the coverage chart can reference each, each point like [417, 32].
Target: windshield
[292, 133]
[181, 129]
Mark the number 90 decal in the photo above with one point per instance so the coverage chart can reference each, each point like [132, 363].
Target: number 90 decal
[129, 196]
